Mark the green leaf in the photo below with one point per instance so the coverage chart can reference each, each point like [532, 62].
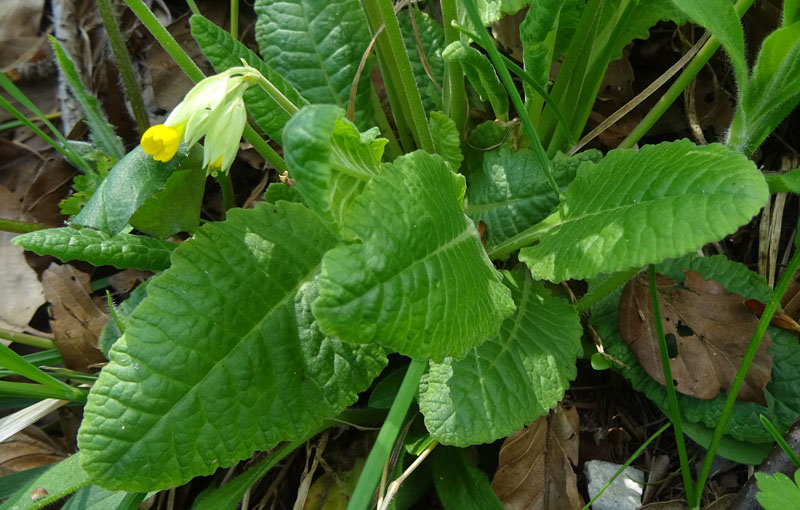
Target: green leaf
[743, 452]
[790, 181]
[597, 34]
[791, 12]
[493, 10]
[223, 51]
[461, 485]
[134, 179]
[93, 497]
[176, 208]
[537, 35]
[431, 37]
[510, 380]
[776, 491]
[59, 480]
[509, 193]
[634, 208]
[481, 75]
[277, 191]
[10, 483]
[414, 277]
[645, 15]
[99, 249]
[102, 132]
[771, 92]
[317, 47]
[720, 19]
[446, 141]
[111, 332]
[329, 160]
[782, 392]
[223, 357]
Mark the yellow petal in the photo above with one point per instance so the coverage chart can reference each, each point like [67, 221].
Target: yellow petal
[161, 142]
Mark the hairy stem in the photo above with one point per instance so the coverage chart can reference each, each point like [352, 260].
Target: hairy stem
[124, 64]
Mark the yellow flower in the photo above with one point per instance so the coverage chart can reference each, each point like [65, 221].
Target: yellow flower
[212, 109]
[161, 142]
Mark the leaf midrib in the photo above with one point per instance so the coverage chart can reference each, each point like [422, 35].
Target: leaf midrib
[213, 370]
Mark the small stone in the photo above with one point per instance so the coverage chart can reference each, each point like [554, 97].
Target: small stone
[624, 494]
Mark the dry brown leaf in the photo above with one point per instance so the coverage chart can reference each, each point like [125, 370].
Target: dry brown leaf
[19, 32]
[75, 318]
[779, 319]
[710, 328]
[19, 284]
[536, 465]
[29, 449]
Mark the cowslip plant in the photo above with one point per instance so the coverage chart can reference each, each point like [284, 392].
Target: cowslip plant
[260, 328]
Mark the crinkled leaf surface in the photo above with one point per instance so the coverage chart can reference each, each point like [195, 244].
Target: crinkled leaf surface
[223, 51]
[537, 41]
[223, 357]
[481, 75]
[317, 46]
[782, 392]
[446, 141]
[509, 193]
[771, 92]
[329, 160]
[510, 380]
[98, 248]
[634, 208]
[493, 10]
[134, 179]
[414, 277]
[431, 38]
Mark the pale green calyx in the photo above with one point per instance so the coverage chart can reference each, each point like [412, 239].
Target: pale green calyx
[213, 109]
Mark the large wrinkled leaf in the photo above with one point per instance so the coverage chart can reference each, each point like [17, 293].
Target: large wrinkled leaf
[329, 159]
[535, 470]
[223, 51]
[414, 276]
[481, 75]
[709, 327]
[771, 92]
[223, 357]
[134, 179]
[510, 192]
[509, 380]
[99, 249]
[782, 392]
[634, 208]
[431, 37]
[317, 47]
[720, 19]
